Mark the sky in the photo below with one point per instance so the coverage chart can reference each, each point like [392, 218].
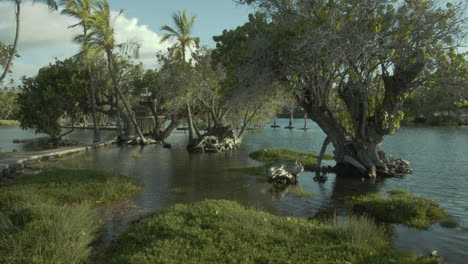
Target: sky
[45, 35]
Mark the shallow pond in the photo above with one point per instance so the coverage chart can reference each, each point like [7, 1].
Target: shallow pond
[37, 142]
[439, 157]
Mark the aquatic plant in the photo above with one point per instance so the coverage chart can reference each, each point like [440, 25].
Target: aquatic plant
[400, 207]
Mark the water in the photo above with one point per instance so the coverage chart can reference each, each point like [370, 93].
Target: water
[37, 142]
[169, 176]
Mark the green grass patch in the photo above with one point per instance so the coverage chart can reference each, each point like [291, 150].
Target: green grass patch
[449, 222]
[9, 122]
[51, 217]
[225, 232]
[400, 207]
[270, 155]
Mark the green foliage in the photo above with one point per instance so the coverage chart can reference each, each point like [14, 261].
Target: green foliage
[50, 217]
[181, 33]
[8, 105]
[225, 232]
[58, 89]
[445, 90]
[278, 155]
[400, 207]
[5, 51]
[351, 63]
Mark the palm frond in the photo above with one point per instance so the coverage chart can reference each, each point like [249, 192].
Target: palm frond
[51, 4]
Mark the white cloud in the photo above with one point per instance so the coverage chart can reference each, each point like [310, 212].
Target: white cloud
[46, 35]
[128, 30]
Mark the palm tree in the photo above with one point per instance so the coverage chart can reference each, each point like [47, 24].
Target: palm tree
[182, 34]
[81, 10]
[52, 6]
[101, 39]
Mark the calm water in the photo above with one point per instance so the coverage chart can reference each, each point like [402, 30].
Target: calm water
[439, 157]
[35, 142]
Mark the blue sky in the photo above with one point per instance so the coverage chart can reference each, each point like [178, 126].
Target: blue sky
[45, 36]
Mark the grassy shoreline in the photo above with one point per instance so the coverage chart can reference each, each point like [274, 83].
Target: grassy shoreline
[218, 231]
[51, 217]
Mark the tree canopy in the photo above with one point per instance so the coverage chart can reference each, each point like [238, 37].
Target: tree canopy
[350, 63]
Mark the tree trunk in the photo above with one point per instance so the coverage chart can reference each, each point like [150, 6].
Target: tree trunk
[192, 133]
[318, 163]
[119, 94]
[97, 136]
[15, 43]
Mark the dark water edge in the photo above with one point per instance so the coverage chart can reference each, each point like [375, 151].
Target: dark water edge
[438, 156]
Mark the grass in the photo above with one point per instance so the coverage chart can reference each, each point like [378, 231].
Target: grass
[9, 122]
[225, 232]
[51, 217]
[400, 207]
[270, 155]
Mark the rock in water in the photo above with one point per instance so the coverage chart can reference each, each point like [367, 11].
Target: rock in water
[285, 172]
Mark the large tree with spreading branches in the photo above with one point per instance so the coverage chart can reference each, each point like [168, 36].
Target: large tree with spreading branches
[349, 63]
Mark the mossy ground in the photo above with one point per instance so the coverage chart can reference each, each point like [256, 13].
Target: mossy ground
[51, 217]
[400, 207]
[225, 232]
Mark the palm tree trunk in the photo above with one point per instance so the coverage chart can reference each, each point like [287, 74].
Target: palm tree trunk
[97, 136]
[15, 44]
[119, 94]
[116, 89]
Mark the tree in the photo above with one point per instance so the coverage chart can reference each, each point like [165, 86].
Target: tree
[8, 106]
[50, 3]
[101, 39]
[184, 41]
[446, 88]
[81, 10]
[352, 64]
[54, 92]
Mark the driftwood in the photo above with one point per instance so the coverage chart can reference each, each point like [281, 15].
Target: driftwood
[285, 172]
[214, 144]
[217, 140]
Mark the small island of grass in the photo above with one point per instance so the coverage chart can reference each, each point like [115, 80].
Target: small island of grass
[226, 232]
[400, 207]
[271, 155]
[51, 217]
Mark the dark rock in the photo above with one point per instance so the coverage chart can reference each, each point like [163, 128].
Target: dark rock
[167, 145]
